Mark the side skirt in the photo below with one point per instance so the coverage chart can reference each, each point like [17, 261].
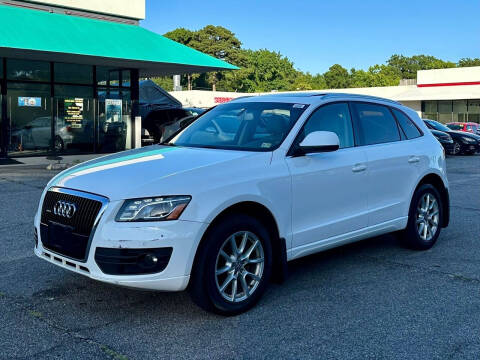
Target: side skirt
[339, 240]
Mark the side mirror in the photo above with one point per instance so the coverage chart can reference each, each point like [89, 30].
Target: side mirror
[319, 141]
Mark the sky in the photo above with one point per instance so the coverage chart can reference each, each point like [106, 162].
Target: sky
[317, 34]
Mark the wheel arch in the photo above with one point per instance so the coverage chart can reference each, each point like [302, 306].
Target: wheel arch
[266, 217]
[437, 181]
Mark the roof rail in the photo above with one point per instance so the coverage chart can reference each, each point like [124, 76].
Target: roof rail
[334, 95]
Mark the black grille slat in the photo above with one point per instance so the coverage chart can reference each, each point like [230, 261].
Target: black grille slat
[81, 223]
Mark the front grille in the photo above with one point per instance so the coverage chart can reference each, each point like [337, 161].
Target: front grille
[82, 221]
[69, 236]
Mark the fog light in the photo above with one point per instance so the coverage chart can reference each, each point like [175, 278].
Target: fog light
[148, 261]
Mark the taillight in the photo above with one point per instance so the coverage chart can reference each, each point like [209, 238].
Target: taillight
[69, 128]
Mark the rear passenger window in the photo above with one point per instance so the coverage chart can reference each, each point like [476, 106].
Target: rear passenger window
[377, 125]
[408, 127]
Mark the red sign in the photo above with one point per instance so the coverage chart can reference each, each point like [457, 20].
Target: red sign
[221, 100]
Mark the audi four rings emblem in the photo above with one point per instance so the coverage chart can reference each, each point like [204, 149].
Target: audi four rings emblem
[65, 209]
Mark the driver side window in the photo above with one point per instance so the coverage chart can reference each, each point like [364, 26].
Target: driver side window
[335, 118]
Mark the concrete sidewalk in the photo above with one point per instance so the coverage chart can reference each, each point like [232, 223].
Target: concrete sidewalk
[44, 162]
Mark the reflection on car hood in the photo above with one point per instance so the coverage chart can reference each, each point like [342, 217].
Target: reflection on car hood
[132, 173]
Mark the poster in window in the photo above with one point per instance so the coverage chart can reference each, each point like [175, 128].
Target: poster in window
[74, 112]
[29, 101]
[113, 110]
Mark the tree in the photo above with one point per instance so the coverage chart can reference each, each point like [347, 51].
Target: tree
[182, 36]
[221, 43]
[464, 62]
[377, 75]
[408, 66]
[337, 77]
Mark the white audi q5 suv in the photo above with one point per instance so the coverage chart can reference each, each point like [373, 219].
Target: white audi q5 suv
[251, 184]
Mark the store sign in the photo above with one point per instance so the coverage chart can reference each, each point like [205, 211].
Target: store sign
[29, 101]
[74, 112]
[113, 110]
[221, 100]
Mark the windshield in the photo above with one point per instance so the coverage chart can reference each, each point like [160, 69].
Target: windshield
[252, 126]
[437, 125]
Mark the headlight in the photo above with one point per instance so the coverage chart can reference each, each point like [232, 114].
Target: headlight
[153, 209]
[468, 140]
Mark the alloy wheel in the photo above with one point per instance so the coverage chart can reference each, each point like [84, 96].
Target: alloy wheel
[239, 266]
[428, 216]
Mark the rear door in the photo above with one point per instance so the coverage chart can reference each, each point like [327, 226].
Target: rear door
[392, 161]
[328, 189]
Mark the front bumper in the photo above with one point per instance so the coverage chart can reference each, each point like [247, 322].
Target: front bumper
[182, 236]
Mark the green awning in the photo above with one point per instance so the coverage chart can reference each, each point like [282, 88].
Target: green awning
[41, 35]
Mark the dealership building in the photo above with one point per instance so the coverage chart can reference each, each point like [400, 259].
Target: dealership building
[69, 74]
[446, 95]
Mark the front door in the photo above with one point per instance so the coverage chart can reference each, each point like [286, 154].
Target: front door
[328, 189]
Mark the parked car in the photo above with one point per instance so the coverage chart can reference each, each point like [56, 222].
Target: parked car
[194, 111]
[470, 127]
[444, 139]
[222, 214]
[37, 134]
[162, 114]
[463, 142]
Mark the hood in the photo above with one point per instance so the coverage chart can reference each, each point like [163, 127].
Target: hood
[439, 133]
[130, 174]
[464, 133]
[154, 96]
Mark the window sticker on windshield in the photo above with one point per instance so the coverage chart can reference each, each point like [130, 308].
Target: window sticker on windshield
[298, 106]
[266, 145]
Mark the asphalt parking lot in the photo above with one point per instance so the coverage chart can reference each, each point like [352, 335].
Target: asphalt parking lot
[372, 299]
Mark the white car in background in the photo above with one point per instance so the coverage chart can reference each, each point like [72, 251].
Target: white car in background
[251, 184]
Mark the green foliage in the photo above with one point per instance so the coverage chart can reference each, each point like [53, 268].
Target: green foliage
[408, 66]
[464, 62]
[337, 77]
[264, 70]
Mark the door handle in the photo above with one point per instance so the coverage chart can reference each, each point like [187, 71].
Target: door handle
[413, 159]
[359, 168]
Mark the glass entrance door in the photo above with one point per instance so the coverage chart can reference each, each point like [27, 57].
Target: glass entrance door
[29, 119]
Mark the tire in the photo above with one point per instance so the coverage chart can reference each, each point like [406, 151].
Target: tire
[457, 148]
[206, 285]
[59, 145]
[415, 236]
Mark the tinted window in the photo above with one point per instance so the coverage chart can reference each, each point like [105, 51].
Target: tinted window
[377, 124]
[406, 124]
[73, 73]
[334, 118]
[455, 127]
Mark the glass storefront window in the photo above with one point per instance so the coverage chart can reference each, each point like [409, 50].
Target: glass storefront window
[74, 124]
[28, 70]
[445, 111]
[108, 76]
[29, 110]
[73, 90]
[459, 110]
[474, 111]
[126, 78]
[73, 73]
[430, 110]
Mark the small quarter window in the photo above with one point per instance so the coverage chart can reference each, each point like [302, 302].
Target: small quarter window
[408, 127]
